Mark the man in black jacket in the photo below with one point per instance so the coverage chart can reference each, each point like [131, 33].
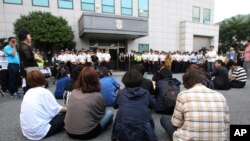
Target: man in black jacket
[221, 81]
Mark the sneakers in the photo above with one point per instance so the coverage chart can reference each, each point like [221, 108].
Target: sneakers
[15, 95]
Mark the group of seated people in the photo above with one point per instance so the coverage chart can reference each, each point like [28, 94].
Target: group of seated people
[87, 93]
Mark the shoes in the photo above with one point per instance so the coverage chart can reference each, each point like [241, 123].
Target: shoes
[15, 95]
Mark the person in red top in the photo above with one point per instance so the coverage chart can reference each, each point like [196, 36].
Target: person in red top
[247, 59]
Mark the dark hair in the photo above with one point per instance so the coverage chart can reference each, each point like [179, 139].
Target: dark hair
[138, 67]
[191, 78]
[35, 79]
[11, 38]
[231, 63]
[88, 81]
[132, 78]
[219, 62]
[61, 73]
[103, 71]
[76, 72]
[22, 35]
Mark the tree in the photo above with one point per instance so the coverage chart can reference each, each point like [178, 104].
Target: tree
[234, 31]
[48, 32]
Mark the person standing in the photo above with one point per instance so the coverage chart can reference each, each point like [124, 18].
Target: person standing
[27, 57]
[211, 56]
[247, 59]
[231, 55]
[13, 66]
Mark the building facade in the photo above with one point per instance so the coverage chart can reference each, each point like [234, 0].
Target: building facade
[125, 25]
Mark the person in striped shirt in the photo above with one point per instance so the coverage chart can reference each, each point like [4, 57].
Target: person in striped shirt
[238, 77]
[200, 113]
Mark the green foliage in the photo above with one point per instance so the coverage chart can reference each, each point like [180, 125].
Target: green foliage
[47, 31]
[234, 31]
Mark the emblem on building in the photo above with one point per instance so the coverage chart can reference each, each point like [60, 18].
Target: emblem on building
[119, 23]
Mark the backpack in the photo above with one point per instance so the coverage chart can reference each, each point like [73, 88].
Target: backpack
[168, 90]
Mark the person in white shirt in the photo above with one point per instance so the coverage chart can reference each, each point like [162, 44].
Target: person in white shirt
[106, 59]
[145, 59]
[211, 56]
[150, 61]
[178, 58]
[185, 61]
[155, 61]
[162, 57]
[41, 116]
[61, 57]
[201, 58]
[82, 57]
[194, 58]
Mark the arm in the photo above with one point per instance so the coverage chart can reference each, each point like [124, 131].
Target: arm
[63, 110]
[10, 51]
[178, 115]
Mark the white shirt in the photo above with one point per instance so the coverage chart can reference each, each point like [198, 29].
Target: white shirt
[106, 57]
[162, 57]
[1, 53]
[194, 58]
[155, 57]
[211, 56]
[61, 58]
[144, 57]
[186, 58]
[89, 58]
[82, 58]
[38, 108]
[178, 57]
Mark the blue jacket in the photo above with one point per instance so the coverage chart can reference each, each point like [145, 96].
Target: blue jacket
[134, 121]
[60, 86]
[109, 86]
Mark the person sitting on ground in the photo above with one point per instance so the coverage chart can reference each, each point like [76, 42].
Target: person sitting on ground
[162, 72]
[200, 113]
[87, 117]
[69, 88]
[238, 78]
[133, 121]
[207, 79]
[62, 81]
[41, 116]
[109, 86]
[146, 83]
[166, 92]
[220, 73]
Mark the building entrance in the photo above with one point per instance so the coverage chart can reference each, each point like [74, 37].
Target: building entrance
[114, 48]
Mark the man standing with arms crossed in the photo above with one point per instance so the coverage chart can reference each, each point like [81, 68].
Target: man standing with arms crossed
[211, 57]
[13, 66]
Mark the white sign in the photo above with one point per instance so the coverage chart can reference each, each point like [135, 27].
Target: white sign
[119, 23]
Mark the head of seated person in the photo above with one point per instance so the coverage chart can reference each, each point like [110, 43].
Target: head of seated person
[139, 67]
[104, 72]
[35, 79]
[191, 78]
[132, 79]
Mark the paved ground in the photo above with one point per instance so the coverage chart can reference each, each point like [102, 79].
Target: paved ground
[238, 100]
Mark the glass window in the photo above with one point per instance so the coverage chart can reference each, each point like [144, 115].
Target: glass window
[206, 16]
[108, 6]
[44, 3]
[196, 14]
[88, 5]
[66, 4]
[126, 7]
[13, 1]
[143, 8]
[143, 47]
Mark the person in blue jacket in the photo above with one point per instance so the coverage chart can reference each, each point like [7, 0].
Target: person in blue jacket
[62, 82]
[109, 86]
[134, 120]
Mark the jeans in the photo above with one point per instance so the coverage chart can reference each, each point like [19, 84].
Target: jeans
[106, 119]
[57, 124]
[167, 125]
[210, 66]
[13, 74]
[246, 66]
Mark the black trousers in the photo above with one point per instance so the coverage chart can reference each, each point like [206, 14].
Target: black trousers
[237, 84]
[3, 80]
[13, 75]
[57, 124]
